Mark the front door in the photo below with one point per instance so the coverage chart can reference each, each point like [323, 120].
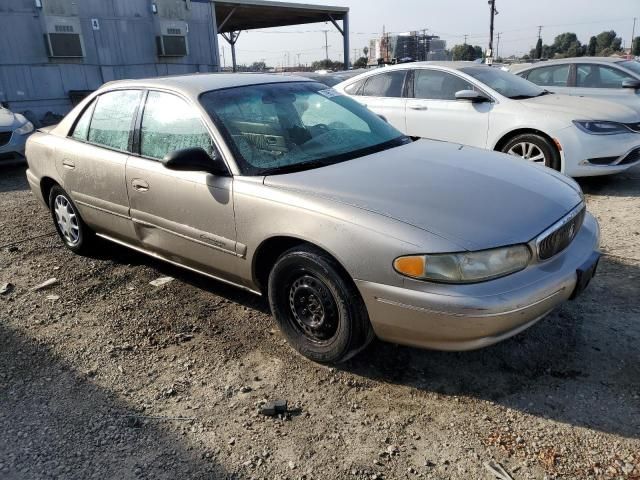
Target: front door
[434, 112]
[93, 159]
[186, 217]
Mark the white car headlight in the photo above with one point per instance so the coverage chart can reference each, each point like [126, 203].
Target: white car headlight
[597, 127]
[24, 129]
[465, 267]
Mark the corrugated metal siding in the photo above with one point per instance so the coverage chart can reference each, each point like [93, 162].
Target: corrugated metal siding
[123, 47]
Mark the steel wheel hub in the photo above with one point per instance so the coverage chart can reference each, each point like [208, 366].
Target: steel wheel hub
[313, 308]
[67, 220]
[528, 151]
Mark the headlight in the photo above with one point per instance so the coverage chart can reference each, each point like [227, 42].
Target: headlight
[466, 267]
[595, 127]
[24, 129]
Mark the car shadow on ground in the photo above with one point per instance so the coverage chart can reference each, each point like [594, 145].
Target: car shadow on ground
[53, 418]
[625, 184]
[14, 177]
[579, 366]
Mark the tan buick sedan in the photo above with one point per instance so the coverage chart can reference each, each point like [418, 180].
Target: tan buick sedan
[280, 185]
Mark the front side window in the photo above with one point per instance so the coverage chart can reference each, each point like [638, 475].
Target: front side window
[507, 84]
[112, 121]
[598, 76]
[554, 76]
[169, 124]
[286, 127]
[81, 130]
[437, 85]
[389, 84]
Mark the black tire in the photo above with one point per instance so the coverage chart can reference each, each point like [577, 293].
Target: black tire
[543, 144]
[318, 308]
[86, 240]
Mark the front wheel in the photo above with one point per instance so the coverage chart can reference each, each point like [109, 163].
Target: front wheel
[533, 148]
[319, 310]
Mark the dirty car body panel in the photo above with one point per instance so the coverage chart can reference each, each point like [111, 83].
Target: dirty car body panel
[363, 210]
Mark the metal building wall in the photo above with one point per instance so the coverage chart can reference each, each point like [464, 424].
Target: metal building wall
[123, 47]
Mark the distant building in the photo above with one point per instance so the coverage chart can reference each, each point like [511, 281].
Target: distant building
[410, 46]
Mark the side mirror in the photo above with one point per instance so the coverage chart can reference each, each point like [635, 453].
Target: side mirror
[194, 160]
[635, 84]
[471, 96]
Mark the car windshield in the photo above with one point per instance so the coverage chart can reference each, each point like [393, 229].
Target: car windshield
[632, 65]
[287, 127]
[505, 83]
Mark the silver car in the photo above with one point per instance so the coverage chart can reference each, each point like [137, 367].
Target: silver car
[14, 131]
[284, 187]
[614, 79]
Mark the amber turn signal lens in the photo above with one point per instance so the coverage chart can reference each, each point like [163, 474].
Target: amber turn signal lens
[410, 266]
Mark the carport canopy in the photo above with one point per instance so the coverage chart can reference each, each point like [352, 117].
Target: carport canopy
[234, 16]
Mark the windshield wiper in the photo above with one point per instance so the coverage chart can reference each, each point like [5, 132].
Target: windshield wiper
[524, 97]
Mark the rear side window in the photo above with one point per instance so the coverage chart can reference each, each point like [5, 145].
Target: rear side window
[388, 84]
[553, 76]
[81, 130]
[169, 124]
[112, 120]
[437, 85]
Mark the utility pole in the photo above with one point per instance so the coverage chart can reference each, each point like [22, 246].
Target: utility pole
[633, 34]
[498, 45]
[326, 45]
[492, 6]
[426, 48]
[299, 60]
[465, 39]
[539, 32]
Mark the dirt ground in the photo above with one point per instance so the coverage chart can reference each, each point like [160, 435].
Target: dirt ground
[105, 376]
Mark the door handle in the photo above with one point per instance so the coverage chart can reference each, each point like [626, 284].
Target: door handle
[418, 107]
[68, 164]
[140, 185]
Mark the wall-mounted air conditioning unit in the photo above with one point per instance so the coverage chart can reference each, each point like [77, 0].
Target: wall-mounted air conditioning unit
[63, 38]
[172, 41]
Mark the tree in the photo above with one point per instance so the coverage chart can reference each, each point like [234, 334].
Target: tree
[362, 62]
[607, 43]
[258, 67]
[567, 45]
[635, 48]
[365, 50]
[538, 52]
[327, 65]
[592, 49]
[466, 52]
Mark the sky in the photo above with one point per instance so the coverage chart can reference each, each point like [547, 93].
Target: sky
[517, 21]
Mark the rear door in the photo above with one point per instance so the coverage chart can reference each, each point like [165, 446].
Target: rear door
[384, 94]
[93, 159]
[433, 111]
[185, 216]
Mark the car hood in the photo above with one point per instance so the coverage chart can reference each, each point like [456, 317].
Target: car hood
[7, 119]
[581, 108]
[474, 198]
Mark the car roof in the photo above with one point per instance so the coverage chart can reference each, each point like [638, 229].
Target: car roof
[453, 65]
[563, 61]
[197, 83]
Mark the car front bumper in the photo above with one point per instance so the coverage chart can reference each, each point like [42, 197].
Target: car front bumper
[580, 150]
[14, 148]
[467, 317]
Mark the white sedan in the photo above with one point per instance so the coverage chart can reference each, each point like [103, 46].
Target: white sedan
[489, 108]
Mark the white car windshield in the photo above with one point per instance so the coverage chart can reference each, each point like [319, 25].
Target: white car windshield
[286, 127]
[505, 83]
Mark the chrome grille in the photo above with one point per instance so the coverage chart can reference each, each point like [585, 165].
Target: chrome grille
[4, 138]
[560, 236]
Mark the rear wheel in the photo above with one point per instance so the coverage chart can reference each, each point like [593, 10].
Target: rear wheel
[318, 309]
[75, 234]
[534, 148]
